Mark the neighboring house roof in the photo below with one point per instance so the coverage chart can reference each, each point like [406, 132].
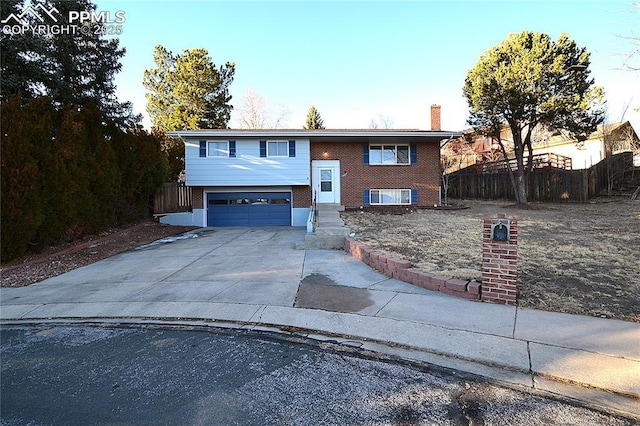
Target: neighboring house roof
[341, 135]
[612, 130]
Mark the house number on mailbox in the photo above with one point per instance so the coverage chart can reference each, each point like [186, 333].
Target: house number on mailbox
[500, 232]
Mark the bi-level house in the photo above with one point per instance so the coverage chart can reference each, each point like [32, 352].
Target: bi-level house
[272, 177]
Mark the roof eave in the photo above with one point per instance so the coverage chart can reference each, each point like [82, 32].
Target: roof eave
[311, 134]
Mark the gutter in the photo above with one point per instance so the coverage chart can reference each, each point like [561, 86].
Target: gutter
[313, 134]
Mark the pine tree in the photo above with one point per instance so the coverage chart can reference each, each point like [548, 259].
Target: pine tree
[530, 80]
[313, 121]
[187, 91]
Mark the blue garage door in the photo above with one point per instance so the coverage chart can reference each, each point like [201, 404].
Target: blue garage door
[249, 209]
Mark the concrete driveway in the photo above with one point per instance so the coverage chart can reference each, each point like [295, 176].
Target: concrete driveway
[247, 266]
[243, 265]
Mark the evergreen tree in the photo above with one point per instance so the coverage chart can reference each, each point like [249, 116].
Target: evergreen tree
[160, 100]
[313, 121]
[21, 58]
[68, 168]
[187, 91]
[143, 168]
[22, 207]
[70, 68]
[529, 80]
[100, 169]
[63, 177]
[65, 174]
[174, 150]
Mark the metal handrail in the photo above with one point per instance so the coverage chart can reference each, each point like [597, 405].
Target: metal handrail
[314, 207]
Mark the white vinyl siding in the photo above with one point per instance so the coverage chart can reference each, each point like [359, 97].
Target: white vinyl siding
[247, 167]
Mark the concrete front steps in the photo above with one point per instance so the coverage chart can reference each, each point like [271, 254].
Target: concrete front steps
[329, 230]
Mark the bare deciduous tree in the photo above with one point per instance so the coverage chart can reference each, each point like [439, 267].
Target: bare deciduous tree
[632, 60]
[384, 122]
[454, 153]
[255, 114]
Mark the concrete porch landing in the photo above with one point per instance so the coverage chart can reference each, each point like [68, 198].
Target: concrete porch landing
[329, 230]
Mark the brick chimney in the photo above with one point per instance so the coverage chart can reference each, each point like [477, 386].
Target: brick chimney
[435, 118]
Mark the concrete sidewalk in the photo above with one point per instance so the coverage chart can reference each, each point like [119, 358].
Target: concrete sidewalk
[255, 278]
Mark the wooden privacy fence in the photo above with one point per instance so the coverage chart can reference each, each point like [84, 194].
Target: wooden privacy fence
[174, 197]
[544, 184]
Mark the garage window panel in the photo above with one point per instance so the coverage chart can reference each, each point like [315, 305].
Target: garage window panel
[280, 201]
[239, 201]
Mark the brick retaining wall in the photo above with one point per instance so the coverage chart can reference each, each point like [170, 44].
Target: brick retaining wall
[403, 271]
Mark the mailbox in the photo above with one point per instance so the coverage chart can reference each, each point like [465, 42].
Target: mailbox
[500, 231]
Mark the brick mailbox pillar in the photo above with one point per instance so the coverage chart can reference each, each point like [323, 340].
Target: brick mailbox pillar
[499, 258]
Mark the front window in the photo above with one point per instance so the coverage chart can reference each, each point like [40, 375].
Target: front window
[218, 149]
[278, 149]
[390, 196]
[389, 154]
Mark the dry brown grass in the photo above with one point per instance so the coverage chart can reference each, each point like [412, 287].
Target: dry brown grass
[576, 258]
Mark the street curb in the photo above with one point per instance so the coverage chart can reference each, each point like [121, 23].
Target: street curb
[577, 393]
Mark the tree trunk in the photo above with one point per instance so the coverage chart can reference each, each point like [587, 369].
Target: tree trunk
[519, 183]
[521, 188]
[516, 178]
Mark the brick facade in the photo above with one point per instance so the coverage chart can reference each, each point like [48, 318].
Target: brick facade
[301, 196]
[357, 176]
[196, 197]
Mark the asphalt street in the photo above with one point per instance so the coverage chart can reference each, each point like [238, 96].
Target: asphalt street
[98, 375]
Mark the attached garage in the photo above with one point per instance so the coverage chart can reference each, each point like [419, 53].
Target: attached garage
[249, 209]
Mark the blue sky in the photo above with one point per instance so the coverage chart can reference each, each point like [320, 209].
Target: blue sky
[357, 61]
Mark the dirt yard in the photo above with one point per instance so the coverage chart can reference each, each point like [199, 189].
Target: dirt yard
[575, 258]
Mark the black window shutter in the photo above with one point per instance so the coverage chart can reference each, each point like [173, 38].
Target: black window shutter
[366, 199]
[232, 149]
[263, 149]
[365, 154]
[292, 148]
[414, 153]
[414, 196]
[203, 148]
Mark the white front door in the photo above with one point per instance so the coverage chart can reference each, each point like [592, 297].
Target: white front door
[326, 181]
